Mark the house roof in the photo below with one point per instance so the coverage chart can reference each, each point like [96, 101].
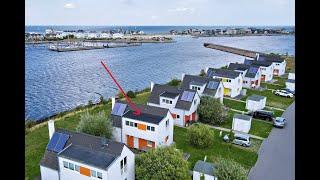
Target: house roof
[271, 58]
[190, 79]
[158, 89]
[242, 116]
[291, 81]
[222, 73]
[238, 66]
[255, 97]
[204, 167]
[169, 95]
[261, 63]
[84, 142]
[252, 71]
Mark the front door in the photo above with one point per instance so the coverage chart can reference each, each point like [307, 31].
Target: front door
[130, 141]
[263, 77]
[226, 92]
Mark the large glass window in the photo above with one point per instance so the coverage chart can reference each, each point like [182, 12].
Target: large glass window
[152, 128]
[77, 168]
[99, 174]
[93, 173]
[65, 164]
[71, 166]
[127, 123]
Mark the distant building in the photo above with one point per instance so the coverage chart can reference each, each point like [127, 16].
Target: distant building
[73, 155]
[117, 35]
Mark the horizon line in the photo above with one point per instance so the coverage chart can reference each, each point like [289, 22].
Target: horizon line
[145, 25]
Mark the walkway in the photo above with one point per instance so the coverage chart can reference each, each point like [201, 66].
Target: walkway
[276, 160]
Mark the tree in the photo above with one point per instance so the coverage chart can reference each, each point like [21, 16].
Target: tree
[162, 163]
[95, 124]
[228, 169]
[200, 135]
[131, 94]
[202, 72]
[211, 111]
[174, 82]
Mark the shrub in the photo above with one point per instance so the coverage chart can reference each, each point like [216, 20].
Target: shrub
[131, 94]
[174, 82]
[95, 124]
[162, 163]
[202, 72]
[120, 95]
[211, 111]
[200, 135]
[228, 169]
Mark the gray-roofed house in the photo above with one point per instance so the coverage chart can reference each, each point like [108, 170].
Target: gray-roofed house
[279, 63]
[256, 102]
[74, 155]
[203, 85]
[241, 123]
[266, 67]
[204, 170]
[232, 80]
[152, 128]
[251, 74]
[182, 102]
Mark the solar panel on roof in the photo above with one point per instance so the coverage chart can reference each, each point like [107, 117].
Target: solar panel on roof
[53, 141]
[212, 85]
[61, 143]
[210, 73]
[118, 109]
[253, 70]
[187, 96]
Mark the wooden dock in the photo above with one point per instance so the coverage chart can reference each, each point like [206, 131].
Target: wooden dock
[233, 50]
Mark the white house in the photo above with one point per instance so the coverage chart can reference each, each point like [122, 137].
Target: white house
[105, 35]
[292, 76]
[241, 123]
[256, 102]
[251, 74]
[266, 68]
[290, 83]
[279, 63]
[73, 155]
[204, 170]
[117, 35]
[205, 86]
[152, 128]
[232, 80]
[182, 103]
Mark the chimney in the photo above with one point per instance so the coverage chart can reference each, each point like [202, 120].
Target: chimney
[183, 74]
[51, 128]
[207, 68]
[151, 85]
[113, 101]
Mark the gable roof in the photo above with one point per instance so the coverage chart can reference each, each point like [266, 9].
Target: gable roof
[255, 97]
[204, 167]
[85, 143]
[238, 66]
[242, 116]
[191, 79]
[271, 58]
[252, 71]
[222, 73]
[159, 89]
[261, 63]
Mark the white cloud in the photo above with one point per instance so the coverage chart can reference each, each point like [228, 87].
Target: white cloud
[182, 9]
[69, 6]
[154, 17]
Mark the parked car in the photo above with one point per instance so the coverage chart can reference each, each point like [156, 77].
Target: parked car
[242, 140]
[283, 93]
[279, 122]
[261, 114]
[289, 91]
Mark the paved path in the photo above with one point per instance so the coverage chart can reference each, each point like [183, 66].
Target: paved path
[276, 159]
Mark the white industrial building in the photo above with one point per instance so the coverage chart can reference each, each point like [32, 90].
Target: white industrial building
[205, 86]
[182, 103]
[152, 128]
[241, 123]
[204, 170]
[256, 102]
[232, 80]
[73, 155]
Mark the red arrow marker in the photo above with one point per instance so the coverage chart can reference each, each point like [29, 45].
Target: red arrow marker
[137, 111]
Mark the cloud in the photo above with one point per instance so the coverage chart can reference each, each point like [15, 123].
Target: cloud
[154, 17]
[182, 9]
[69, 6]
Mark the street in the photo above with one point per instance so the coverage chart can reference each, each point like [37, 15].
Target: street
[276, 159]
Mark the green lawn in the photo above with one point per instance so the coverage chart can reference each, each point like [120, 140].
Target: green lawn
[36, 141]
[272, 100]
[272, 86]
[245, 156]
[260, 128]
[234, 104]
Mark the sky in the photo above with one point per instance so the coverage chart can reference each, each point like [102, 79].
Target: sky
[160, 12]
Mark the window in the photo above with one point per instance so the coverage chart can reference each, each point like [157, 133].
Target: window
[167, 101]
[125, 161]
[167, 123]
[93, 173]
[99, 174]
[131, 124]
[135, 124]
[127, 123]
[65, 164]
[71, 166]
[163, 100]
[199, 88]
[195, 101]
[170, 102]
[123, 165]
[149, 143]
[148, 128]
[152, 128]
[178, 116]
[77, 168]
